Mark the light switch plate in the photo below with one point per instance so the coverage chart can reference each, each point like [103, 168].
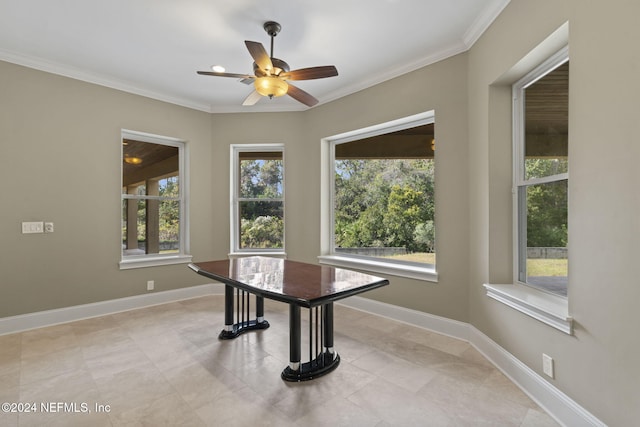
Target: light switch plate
[32, 227]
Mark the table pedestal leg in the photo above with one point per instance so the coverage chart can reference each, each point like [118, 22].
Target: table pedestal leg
[242, 324]
[295, 343]
[326, 359]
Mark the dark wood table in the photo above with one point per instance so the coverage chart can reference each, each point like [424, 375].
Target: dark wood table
[299, 284]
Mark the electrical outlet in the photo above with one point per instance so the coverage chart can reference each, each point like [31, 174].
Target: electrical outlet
[150, 285]
[48, 227]
[547, 365]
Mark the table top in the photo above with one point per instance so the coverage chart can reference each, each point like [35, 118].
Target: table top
[307, 285]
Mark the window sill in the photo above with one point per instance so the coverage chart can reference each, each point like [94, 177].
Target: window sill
[550, 309]
[257, 253]
[153, 261]
[375, 266]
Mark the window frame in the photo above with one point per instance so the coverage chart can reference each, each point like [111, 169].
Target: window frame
[520, 181]
[547, 308]
[183, 256]
[235, 199]
[425, 272]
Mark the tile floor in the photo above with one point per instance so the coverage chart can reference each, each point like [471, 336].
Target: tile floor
[164, 365]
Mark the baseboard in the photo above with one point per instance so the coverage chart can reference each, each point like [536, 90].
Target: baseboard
[560, 406]
[24, 322]
[556, 403]
[441, 325]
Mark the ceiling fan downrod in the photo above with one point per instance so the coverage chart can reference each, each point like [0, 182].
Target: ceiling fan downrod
[272, 28]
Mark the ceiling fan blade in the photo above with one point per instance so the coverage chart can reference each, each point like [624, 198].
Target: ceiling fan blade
[252, 98]
[237, 76]
[248, 80]
[301, 96]
[310, 73]
[259, 55]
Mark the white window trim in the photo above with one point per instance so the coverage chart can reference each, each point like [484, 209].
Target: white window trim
[545, 307]
[140, 261]
[327, 238]
[183, 257]
[550, 309]
[234, 248]
[519, 180]
[387, 268]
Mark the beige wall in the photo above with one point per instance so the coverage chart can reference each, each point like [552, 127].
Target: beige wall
[60, 162]
[441, 87]
[63, 133]
[598, 366]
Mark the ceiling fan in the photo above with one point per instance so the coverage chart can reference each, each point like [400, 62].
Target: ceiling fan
[272, 75]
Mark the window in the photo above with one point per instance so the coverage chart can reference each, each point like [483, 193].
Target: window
[154, 220]
[257, 198]
[381, 204]
[541, 175]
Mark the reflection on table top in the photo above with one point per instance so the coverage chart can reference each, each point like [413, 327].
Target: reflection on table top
[290, 281]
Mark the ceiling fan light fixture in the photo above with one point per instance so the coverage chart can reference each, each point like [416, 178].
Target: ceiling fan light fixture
[271, 86]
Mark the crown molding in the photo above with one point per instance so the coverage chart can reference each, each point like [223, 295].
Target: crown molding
[82, 75]
[483, 21]
[392, 73]
[474, 32]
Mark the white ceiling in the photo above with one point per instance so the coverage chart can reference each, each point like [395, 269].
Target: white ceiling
[154, 47]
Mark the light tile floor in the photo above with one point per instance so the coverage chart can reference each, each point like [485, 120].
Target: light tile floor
[164, 365]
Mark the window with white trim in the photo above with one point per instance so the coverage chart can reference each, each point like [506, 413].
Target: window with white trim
[257, 198]
[154, 220]
[380, 187]
[541, 175]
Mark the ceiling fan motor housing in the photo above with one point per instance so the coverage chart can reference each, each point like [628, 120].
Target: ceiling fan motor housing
[279, 66]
